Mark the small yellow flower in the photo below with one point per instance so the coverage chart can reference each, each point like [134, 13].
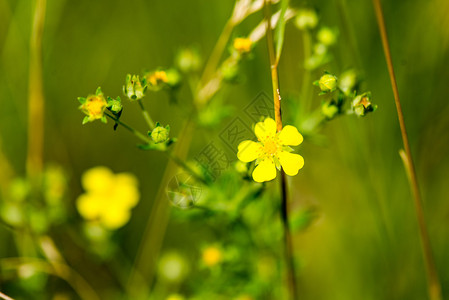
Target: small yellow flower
[94, 107]
[272, 151]
[212, 256]
[157, 77]
[109, 197]
[243, 45]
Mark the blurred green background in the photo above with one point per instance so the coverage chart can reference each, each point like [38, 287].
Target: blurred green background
[365, 244]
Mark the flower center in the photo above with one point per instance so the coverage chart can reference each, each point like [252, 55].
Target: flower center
[270, 146]
[95, 106]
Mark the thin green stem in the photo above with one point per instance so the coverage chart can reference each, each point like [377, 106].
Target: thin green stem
[185, 166]
[217, 52]
[138, 134]
[146, 115]
[284, 193]
[170, 154]
[36, 93]
[434, 285]
[307, 46]
[142, 274]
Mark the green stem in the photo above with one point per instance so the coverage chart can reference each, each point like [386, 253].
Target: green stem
[36, 93]
[170, 154]
[185, 166]
[143, 272]
[284, 193]
[146, 115]
[217, 52]
[138, 134]
[307, 46]
[434, 285]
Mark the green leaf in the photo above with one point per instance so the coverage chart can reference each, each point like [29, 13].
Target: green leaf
[280, 29]
[98, 91]
[85, 120]
[82, 100]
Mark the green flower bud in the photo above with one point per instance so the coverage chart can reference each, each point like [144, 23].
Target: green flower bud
[306, 19]
[229, 70]
[134, 88]
[327, 83]
[362, 105]
[173, 267]
[115, 105]
[12, 214]
[188, 60]
[329, 110]
[348, 81]
[160, 134]
[173, 78]
[327, 36]
[319, 49]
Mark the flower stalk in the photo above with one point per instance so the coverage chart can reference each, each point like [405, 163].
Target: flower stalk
[434, 286]
[35, 93]
[172, 155]
[278, 118]
[146, 115]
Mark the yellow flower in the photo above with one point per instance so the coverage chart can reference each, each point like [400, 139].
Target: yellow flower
[157, 77]
[243, 45]
[212, 256]
[272, 150]
[109, 197]
[94, 107]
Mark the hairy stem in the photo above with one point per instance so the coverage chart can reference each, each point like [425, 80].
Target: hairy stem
[35, 93]
[284, 193]
[434, 286]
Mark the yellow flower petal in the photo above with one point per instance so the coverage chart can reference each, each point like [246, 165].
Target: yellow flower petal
[264, 171]
[114, 218]
[98, 179]
[265, 128]
[290, 136]
[248, 151]
[89, 207]
[290, 162]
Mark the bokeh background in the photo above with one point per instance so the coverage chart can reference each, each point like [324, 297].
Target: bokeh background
[364, 243]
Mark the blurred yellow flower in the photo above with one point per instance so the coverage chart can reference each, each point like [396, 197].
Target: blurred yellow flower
[94, 107]
[157, 77]
[272, 150]
[109, 197]
[212, 256]
[242, 45]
